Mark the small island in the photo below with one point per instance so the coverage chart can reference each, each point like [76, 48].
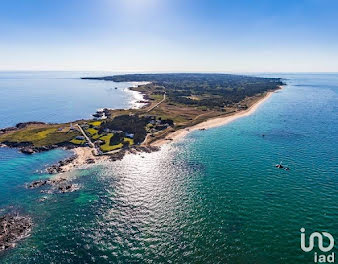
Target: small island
[172, 103]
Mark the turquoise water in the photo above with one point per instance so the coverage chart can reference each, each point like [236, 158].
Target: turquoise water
[213, 197]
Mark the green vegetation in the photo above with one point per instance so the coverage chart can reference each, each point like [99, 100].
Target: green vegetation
[129, 140]
[189, 99]
[92, 131]
[107, 146]
[96, 123]
[131, 124]
[78, 141]
[113, 141]
[211, 90]
[157, 97]
[117, 138]
[46, 135]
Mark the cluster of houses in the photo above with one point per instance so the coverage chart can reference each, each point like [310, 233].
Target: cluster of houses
[158, 124]
[126, 134]
[241, 106]
[154, 124]
[101, 114]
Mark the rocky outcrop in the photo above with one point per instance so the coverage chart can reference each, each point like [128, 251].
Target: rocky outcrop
[117, 156]
[31, 149]
[57, 168]
[67, 188]
[20, 126]
[27, 150]
[12, 229]
[7, 129]
[146, 149]
[24, 124]
[58, 185]
[90, 161]
[132, 150]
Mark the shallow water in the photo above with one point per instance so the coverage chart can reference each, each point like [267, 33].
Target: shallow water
[213, 197]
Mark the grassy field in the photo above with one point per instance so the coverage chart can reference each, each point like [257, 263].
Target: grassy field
[106, 146]
[45, 135]
[92, 131]
[78, 141]
[96, 123]
[130, 140]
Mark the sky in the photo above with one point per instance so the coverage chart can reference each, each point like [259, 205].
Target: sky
[169, 35]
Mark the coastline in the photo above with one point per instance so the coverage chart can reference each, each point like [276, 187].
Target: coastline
[139, 98]
[211, 123]
[83, 154]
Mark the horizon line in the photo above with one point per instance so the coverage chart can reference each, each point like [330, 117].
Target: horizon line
[173, 72]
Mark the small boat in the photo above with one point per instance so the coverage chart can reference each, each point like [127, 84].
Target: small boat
[280, 166]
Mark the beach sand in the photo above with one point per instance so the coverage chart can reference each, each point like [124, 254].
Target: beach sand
[214, 122]
[82, 155]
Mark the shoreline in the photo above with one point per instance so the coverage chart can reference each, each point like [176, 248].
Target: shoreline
[138, 100]
[83, 154]
[136, 103]
[211, 123]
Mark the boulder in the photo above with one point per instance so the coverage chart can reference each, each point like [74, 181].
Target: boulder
[27, 150]
[13, 228]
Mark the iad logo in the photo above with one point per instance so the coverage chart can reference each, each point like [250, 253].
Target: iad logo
[318, 258]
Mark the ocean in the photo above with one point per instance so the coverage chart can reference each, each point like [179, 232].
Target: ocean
[58, 96]
[214, 196]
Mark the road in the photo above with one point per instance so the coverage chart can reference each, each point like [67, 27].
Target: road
[98, 151]
[151, 108]
[89, 140]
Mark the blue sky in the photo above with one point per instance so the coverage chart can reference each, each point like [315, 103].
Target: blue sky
[169, 35]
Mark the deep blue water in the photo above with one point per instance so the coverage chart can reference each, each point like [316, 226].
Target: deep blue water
[57, 96]
[213, 197]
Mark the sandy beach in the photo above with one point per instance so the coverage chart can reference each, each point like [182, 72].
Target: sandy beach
[83, 154]
[214, 122]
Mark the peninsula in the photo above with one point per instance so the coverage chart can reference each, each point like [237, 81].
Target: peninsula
[173, 103]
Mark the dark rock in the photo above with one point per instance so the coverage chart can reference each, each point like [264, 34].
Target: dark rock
[23, 125]
[7, 129]
[69, 187]
[118, 155]
[37, 184]
[27, 150]
[12, 229]
[90, 161]
[56, 185]
[146, 149]
[57, 168]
